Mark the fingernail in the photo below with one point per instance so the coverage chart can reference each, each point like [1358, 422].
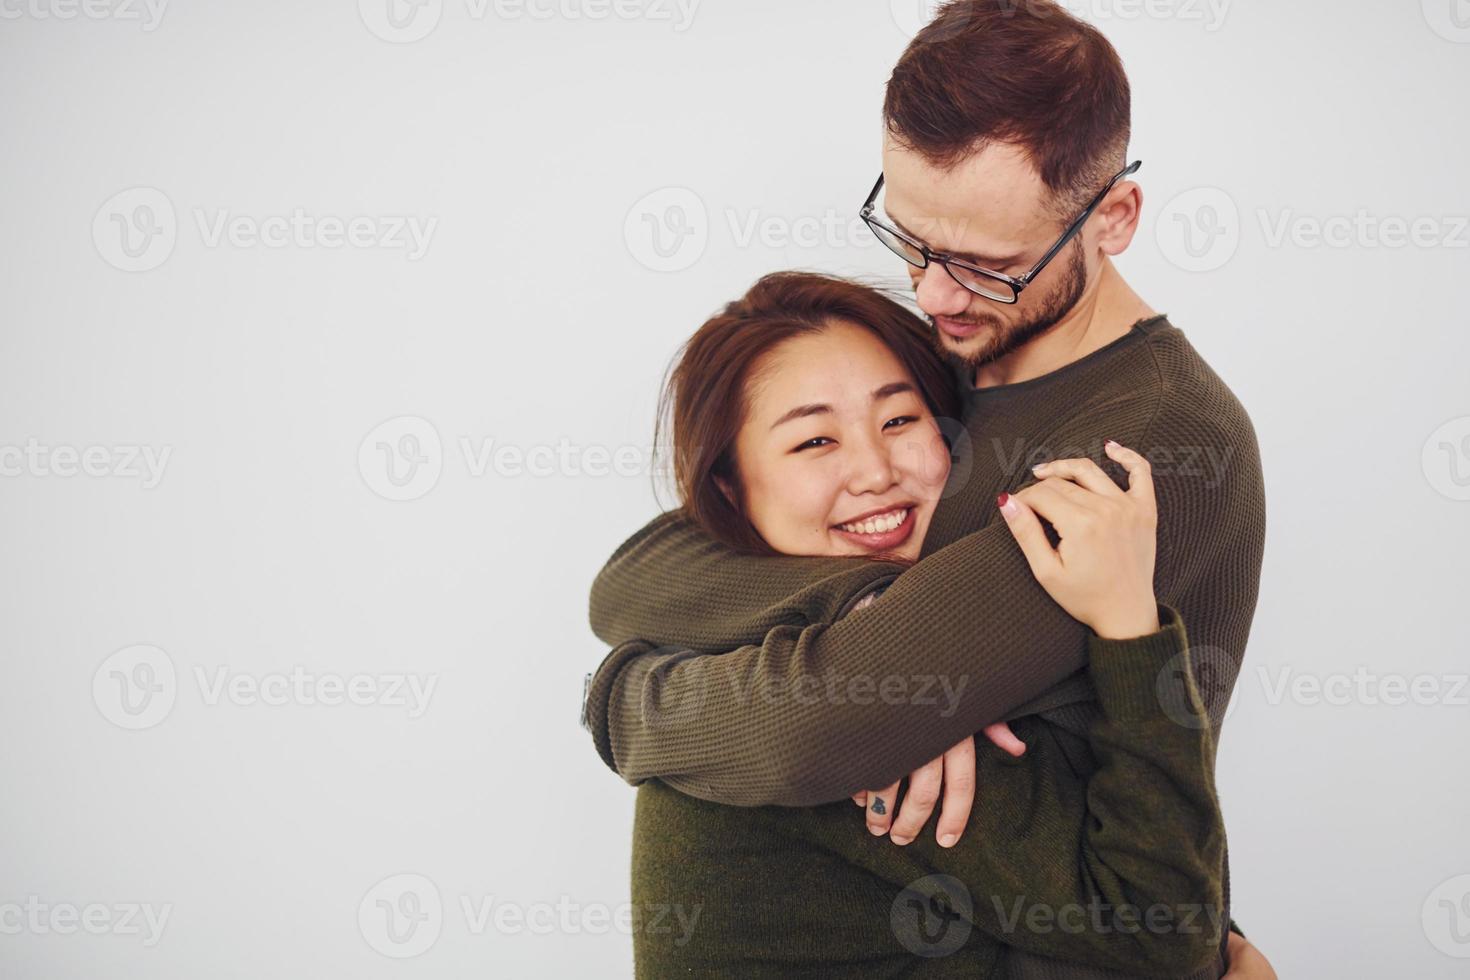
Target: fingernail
[1007, 505]
[947, 840]
[1112, 443]
[1039, 469]
[902, 840]
[875, 831]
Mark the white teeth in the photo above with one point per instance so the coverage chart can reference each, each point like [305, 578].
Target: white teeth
[877, 525]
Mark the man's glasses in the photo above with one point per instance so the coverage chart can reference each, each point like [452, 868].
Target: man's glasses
[982, 282]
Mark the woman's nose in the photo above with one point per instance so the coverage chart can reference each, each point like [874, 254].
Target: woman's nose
[872, 468]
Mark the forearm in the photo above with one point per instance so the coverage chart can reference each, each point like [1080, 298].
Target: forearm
[672, 584]
[809, 714]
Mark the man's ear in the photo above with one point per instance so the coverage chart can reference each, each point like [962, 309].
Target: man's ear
[1120, 214]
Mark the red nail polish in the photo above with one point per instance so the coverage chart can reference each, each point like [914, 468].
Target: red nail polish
[1000, 500]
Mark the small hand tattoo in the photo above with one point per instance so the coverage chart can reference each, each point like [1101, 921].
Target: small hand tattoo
[878, 805]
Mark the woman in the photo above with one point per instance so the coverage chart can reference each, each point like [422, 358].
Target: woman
[806, 423]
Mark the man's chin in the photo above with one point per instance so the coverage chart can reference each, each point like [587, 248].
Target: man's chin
[975, 349]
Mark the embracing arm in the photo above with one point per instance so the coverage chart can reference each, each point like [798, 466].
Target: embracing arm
[805, 714]
[748, 691]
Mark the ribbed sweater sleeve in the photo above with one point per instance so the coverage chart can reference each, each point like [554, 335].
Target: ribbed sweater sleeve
[960, 639]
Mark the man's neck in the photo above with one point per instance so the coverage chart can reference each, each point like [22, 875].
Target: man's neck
[1107, 310]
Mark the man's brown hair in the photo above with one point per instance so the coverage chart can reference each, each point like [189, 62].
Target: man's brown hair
[1022, 72]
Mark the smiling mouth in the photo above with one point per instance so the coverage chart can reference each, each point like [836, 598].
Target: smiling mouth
[883, 523]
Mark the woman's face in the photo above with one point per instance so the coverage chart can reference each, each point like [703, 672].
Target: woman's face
[839, 454]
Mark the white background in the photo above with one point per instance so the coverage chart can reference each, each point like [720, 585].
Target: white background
[537, 317]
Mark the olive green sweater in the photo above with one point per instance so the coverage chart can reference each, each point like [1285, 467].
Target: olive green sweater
[779, 891]
[704, 634]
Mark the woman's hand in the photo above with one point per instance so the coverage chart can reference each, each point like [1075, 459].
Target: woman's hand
[954, 772]
[1246, 962]
[1102, 573]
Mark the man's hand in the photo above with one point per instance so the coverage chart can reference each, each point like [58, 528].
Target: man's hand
[952, 773]
[1246, 962]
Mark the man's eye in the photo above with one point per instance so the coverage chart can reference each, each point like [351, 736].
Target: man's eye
[900, 421]
[812, 444]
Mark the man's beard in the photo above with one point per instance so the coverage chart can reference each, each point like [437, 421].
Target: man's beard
[1006, 338]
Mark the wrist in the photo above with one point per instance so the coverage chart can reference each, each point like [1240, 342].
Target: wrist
[1128, 623]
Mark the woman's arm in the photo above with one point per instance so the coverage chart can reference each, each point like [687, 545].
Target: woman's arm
[1120, 869]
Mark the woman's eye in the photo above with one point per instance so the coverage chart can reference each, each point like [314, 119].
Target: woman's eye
[900, 421]
[812, 444]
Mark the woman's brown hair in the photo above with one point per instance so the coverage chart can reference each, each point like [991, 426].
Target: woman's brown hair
[704, 397]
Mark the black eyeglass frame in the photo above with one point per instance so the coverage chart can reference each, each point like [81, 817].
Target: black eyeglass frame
[1016, 284]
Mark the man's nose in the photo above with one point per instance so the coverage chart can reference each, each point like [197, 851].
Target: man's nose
[938, 294]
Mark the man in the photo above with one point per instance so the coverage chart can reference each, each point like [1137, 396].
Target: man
[1005, 188]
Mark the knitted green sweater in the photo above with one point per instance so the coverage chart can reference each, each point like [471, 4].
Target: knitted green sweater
[708, 640]
[779, 891]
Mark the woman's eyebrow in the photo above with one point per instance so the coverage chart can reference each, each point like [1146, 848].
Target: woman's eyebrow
[892, 388]
[801, 412]
[821, 408]
[986, 261]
